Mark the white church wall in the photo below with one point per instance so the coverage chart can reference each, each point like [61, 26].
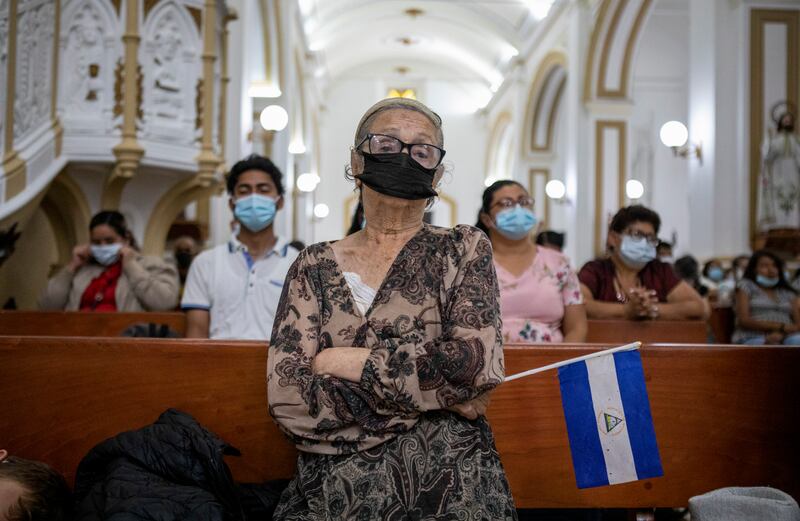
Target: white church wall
[660, 94]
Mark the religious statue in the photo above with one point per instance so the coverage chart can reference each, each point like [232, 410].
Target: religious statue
[779, 183]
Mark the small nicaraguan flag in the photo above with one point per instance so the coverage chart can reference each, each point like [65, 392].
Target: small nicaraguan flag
[611, 434]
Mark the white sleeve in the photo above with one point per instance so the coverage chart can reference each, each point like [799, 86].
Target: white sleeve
[197, 291]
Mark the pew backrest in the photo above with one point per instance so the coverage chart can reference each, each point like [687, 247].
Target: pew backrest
[724, 415]
[647, 331]
[77, 323]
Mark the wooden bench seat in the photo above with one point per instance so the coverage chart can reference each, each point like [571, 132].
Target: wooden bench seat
[79, 323]
[648, 331]
[724, 415]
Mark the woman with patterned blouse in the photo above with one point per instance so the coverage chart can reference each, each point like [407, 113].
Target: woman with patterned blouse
[386, 345]
[540, 297]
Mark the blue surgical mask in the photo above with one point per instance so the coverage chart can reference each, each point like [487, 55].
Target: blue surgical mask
[255, 211]
[106, 254]
[767, 282]
[636, 253]
[515, 223]
[716, 274]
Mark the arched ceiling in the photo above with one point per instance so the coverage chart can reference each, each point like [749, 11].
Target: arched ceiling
[437, 39]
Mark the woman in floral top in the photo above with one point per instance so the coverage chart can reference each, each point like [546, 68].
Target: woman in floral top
[540, 297]
[386, 345]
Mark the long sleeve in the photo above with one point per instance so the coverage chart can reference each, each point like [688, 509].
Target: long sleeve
[154, 282]
[56, 294]
[307, 407]
[407, 376]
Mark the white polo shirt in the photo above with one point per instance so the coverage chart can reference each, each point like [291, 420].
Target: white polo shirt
[241, 294]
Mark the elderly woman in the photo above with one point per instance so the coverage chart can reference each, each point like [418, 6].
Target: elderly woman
[385, 346]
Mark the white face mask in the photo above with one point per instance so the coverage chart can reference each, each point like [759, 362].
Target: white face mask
[106, 254]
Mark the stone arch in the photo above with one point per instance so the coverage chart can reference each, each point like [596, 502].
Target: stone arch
[169, 206]
[544, 101]
[612, 45]
[67, 210]
[501, 131]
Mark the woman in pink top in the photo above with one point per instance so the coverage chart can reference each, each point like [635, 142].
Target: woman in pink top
[540, 297]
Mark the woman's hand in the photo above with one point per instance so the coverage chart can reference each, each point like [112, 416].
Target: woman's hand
[127, 253]
[80, 256]
[473, 408]
[346, 363]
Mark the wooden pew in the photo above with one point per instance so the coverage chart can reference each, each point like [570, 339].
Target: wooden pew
[648, 331]
[74, 323]
[724, 415]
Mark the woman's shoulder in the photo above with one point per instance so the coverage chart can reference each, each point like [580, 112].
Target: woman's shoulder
[551, 257]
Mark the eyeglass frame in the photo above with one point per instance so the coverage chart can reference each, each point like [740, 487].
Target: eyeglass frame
[652, 240]
[404, 146]
[530, 200]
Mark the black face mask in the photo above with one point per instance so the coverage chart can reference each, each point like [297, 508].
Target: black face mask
[184, 259]
[397, 175]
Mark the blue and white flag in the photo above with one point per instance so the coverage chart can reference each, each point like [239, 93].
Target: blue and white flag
[611, 434]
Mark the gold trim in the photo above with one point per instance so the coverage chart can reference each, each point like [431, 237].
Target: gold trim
[632, 39]
[266, 35]
[169, 206]
[128, 152]
[549, 64]
[279, 33]
[599, 175]
[533, 173]
[16, 174]
[207, 160]
[67, 210]
[502, 120]
[596, 30]
[453, 207]
[609, 39]
[551, 120]
[197, 15]
[759, 18]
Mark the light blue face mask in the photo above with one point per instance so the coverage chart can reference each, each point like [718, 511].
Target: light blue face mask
[716, 274]
[255, 211]
[767, 282]
[515, 223]
[636, 253]
[105, 254]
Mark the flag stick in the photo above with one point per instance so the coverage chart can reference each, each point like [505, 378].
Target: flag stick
[627, 347]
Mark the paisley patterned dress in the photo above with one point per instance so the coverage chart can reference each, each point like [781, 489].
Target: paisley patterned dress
[385, 447]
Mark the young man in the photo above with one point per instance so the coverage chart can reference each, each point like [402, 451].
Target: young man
[232, 291]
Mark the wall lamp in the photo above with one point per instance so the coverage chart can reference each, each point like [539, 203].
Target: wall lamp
[675, 135]
[557, 191]
[273, 119]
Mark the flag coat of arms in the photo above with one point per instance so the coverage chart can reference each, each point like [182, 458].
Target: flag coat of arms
[610, 428]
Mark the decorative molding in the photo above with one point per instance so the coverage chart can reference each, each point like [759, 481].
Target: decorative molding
[500, 124]
[551, 65]
[128, 152]
[68, 211]
[533, 173]
[207, 160]
[600, 174]
[602, 48]
[758, 19]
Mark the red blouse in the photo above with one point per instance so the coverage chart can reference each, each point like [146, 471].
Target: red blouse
[100, 293]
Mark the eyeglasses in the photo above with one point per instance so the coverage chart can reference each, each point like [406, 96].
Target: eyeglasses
[427, 155]
[652, 240]
[507, 202]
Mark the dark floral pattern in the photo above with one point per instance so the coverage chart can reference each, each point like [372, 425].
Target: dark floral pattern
[433, 331]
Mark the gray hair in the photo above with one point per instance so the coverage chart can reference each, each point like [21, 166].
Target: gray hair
[397, 103]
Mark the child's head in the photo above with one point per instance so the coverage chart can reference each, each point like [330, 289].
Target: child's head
[31, 491]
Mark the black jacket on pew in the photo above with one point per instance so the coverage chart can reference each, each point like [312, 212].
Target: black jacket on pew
[170, 470]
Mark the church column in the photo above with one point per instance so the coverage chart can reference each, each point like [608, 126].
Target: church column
[13, 165]
[128, 152]
[58, 130]
[208, 160]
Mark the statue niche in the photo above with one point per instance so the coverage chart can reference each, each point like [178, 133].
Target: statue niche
[779, 183]
[167, 91]
[85, 61]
